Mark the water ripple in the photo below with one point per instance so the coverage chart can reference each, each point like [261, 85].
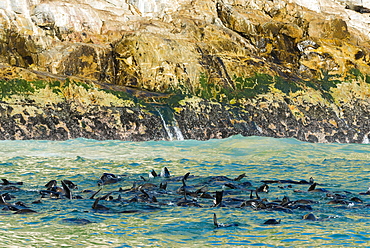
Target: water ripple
[336, 167]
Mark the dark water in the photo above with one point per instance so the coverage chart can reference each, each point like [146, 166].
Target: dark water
[340, 168]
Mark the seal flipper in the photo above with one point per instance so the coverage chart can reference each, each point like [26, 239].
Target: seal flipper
[217, 225]
[163, 185]
[67, 191]
[2, 201]
[143, 178]
[185, 177]
[202, 190]
[312, 187]
[215, 220]
[257, 196]
[97, 206]
[5, 181]
[251, 195]
[239, 177]
[218, 200]
[105, 197]
[184, 187]
[165, 173]
[153, 174]
[93, 195]
[311, 180]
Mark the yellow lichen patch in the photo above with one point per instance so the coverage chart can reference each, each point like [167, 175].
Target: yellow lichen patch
[71, 92]
[234, 121]
[45, 96]
[177, 109]
[21, 109]
[273, 96]
[263, 105]
[79, 94]
[232, 101]
[347, 91]
[309, 95]
[194, 101]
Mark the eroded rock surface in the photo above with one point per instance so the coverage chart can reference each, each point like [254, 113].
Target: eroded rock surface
[192, 48]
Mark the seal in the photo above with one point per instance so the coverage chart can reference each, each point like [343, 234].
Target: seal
[263, 188]
[51, 194]
[76, 221]
[366, 193]
[272, 222]
[6, 182]
[99, 207]
[313, 188]
[309, 216]
[108, 178]
[184, 202]
[165, 173]
[25, 211]
[51, 184]
[218, 225]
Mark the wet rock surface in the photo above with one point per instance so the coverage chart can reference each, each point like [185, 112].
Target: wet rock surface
[200, 119]
[61, 122]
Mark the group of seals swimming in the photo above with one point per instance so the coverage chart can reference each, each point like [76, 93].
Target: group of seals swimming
[157, 191]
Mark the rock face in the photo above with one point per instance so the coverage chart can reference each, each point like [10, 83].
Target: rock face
[316, 53]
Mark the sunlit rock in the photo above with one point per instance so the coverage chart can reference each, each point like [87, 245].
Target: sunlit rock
[200, 48]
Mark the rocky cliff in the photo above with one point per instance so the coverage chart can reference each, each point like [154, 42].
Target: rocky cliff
[144, 70]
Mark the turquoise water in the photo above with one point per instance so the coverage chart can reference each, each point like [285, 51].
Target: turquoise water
[340, 168]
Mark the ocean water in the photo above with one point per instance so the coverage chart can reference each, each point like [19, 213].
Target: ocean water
[338, 168]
